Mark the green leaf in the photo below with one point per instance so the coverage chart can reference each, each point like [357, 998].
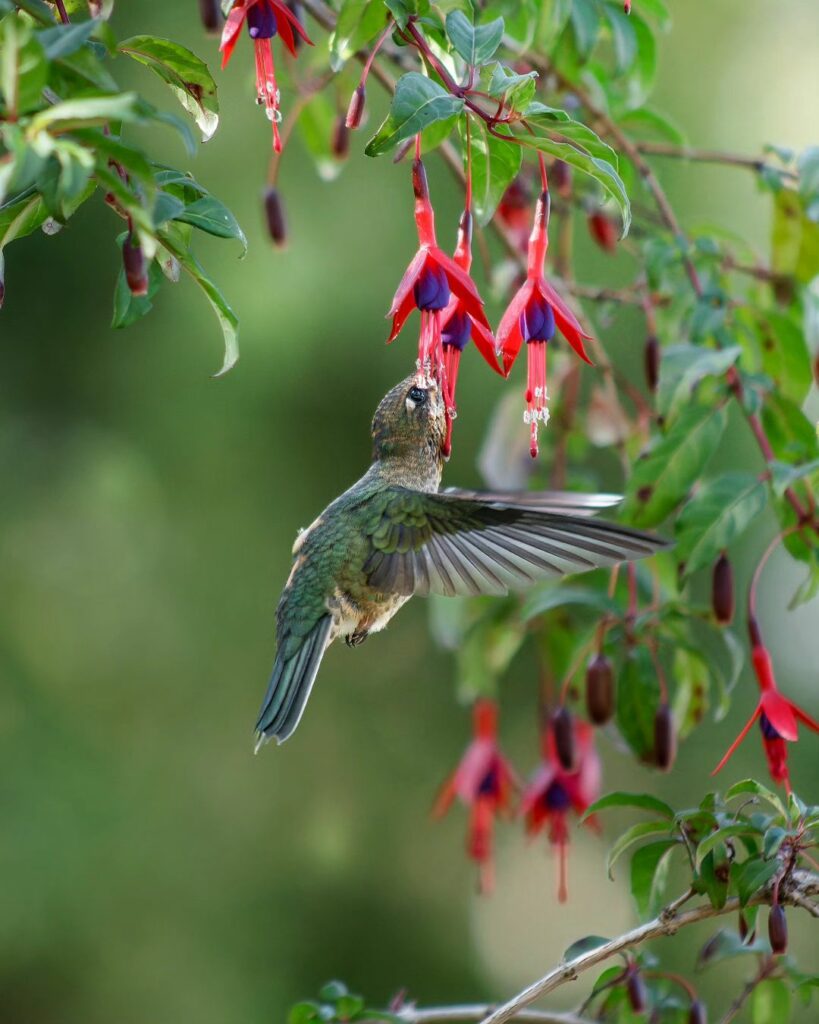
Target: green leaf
[638, 697]
[623, 36]
[316, 126]
[795, 238]
[20, 216]
[714, 518]
[332, 991]
[793, 437]
[228, 320]
[129, 308]
[187, 75]
[751, 876]
[475, 43]
[304, 1013]
[644, 801]
[712, 877]
[63, 40]
[771, 1002]
[662, 478]
[603, 172]
[516, 90]
[753, 788]
[86, 112]
[784, 476]
[632, 836]
[212, 216]
[649, 124]
[557, 122]
[785, 356]
[358, 22]
[649, 873]
[23, 67]
[585, 22]
[683, 367]
[485, 654]
[774, 838]
[719, 836]
[546, 596]
[418, 102]
[584, 945]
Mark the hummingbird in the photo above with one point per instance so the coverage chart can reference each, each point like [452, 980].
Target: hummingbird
[395, 534]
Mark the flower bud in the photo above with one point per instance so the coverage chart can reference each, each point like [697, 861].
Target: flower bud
[561, 178]
[778, 929]
[133, 262]
[211, 15]
[600, 689]
[697, 1013]
[651, 357]
[665, 738]
[274, 214]
[402, 149]
[297, 11]
[563, 731]
[636, 989]
[2, 282]
[602, 230]
[341, 139]
[722, 591]
[742, 928]
[355, 111]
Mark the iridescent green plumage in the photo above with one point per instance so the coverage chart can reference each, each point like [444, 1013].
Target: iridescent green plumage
[393, 535]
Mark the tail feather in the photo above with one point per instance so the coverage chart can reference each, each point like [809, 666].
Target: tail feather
[290, 684]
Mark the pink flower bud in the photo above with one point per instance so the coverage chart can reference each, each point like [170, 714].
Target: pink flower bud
[603, 231]
[600, 689]
[274, 215]
[778, 929]
[341, 139]
[636, 989]
[133, 262]
[697, 1013]
[355, 111]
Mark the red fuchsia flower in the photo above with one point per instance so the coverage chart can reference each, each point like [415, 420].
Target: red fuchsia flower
[532, 316]
[264, 19]
[429, 283]
[514, 212]
[484, 781]
[777, 715]
[553, 792]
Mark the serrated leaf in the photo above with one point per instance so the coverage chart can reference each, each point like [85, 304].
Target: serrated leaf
[662, 478]
[649, 873]
[418, 102]
[644, 801]
[495, 164]
[632, 836]
[716, 516]
[475, 43]
[187, 75]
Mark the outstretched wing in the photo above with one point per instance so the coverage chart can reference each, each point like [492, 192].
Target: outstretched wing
[481, 544]
[546, 501]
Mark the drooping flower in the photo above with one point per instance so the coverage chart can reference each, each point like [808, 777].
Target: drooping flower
[514, 212]
[552, 792]
[532, 317]
[484, 781]
[778, 717]
[430, 281]
[264, 19]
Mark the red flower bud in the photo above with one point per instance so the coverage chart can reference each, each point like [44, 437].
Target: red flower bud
[341, 139]
[635, 986]
[561, 178]
[600, 689]
[563, 729]
[778, 929]
[274, 214]
[627, 6]
[697, 1013]
[742, 927]
[133, 262]
[211, 15]
[355, 111]
[651, 357]
[665, 738]
[603, 230]
[722, 591]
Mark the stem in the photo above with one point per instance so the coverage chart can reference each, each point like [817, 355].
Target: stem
[667, 922]
[477, 1012]
[62, 12]
[778, 539]
[376, 47]
[765, 968]
[713, 156]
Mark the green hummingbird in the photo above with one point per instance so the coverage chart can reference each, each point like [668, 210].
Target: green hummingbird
[394, 534]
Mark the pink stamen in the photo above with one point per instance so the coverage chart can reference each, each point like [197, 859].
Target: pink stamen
[266, 89]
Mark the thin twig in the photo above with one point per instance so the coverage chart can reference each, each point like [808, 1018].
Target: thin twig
[765, 969]
[668, 922]
[714, 156]
[477, 1012]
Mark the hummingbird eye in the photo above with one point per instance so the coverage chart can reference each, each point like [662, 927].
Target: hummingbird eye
[417, 395]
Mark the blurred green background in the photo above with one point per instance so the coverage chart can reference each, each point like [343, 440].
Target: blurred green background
[152, 868]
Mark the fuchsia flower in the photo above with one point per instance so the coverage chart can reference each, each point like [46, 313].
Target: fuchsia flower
[553, 792]
[777, 715]
[265, 19]
[429, 284]
[484, 781]
[532, 316]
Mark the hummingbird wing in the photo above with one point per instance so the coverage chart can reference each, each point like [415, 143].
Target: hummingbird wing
[547, 501]
[447, 544]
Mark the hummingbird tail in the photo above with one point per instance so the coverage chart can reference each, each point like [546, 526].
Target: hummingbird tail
[290, 684]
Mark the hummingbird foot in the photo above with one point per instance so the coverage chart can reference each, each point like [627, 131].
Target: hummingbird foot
[354, 639]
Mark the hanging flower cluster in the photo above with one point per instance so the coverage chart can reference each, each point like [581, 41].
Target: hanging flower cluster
[486, 783]
[264, 19]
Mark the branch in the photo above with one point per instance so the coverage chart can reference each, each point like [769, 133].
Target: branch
[477, 1012]
[667, 922]
[714, 156]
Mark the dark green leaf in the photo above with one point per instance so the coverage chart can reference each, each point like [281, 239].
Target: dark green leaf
[712, 877]
[475, 43]
[716, 516]
[751, 876]
[129, 308]
[715, 838]
[418, 102]
[358, 23]
[585, 22]
[187, 75]
[208, 214]
[772, 841]
[631, 836]
[649, 873]
[86, 112]
[662, 478]
[332, 991]
[683, 367]
[644, 801]
[792, 435]
[546, 596]
[753, 788]
[638, 697]
[623, 36]
[63, 40]
[584, 945]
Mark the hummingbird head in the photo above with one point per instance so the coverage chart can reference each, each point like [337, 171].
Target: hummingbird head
[410, 425]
